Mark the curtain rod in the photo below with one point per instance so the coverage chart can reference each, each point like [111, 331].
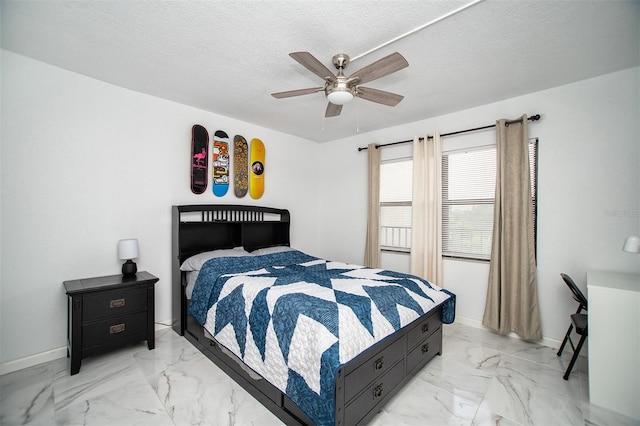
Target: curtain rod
[535, 117]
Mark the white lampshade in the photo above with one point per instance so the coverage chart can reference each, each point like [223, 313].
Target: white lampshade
[632, 244]
[340, 97]
[128, 249]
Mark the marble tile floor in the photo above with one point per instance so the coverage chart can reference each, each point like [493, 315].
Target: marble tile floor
[481, 379]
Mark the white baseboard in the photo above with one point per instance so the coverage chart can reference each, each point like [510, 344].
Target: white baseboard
[552, 343]
[31, 360]
[53, 354]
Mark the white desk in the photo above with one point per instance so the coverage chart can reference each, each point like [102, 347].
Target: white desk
[614, 341]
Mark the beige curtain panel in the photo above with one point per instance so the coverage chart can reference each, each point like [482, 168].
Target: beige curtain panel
[426, 217]
[512, 295]
[372, 245]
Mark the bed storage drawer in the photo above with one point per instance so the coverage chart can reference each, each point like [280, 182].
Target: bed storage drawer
[115, 302]
[377, 390]
[423, 329]
[373, 368]
[425, 350]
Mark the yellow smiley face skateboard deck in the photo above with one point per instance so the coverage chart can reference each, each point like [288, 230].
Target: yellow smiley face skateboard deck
[220, 163]
[240, 166]
[256, 174]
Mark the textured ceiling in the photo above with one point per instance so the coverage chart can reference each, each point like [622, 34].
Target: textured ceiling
[228, 56]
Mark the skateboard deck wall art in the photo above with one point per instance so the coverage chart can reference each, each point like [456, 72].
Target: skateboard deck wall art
[220, 163]
[257, 165]
[240, 166]
[199, 159]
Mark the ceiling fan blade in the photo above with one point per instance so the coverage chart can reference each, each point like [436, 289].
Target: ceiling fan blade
[333, 110]
[309, 61]
[298, 92]
[380, 68]
[379, 96]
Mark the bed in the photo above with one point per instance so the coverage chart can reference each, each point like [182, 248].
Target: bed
[278, 321]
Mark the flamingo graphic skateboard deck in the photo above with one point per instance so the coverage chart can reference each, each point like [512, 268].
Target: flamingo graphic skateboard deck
[240, 166]
[256, 175]
[199, 158]
[220, 164]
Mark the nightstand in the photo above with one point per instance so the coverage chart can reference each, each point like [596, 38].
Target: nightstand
[109, 312]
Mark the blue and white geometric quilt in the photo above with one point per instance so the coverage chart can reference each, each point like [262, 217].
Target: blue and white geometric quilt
[295, 319]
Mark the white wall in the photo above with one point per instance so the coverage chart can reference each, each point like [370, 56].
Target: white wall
[587, 198]
[84, 164]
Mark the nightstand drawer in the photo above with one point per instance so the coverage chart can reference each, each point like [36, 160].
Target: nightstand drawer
[114, 329]
[108, 304]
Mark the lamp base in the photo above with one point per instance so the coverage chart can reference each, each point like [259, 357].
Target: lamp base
[129, 267]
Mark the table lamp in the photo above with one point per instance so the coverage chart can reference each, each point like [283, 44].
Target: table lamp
[128, 250]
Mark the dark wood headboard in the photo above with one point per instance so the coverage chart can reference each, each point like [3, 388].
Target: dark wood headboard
[206, 227]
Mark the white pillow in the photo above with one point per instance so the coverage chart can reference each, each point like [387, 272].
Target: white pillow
[271, 250]
[194, 263]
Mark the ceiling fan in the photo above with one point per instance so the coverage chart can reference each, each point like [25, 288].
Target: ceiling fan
[340, 89]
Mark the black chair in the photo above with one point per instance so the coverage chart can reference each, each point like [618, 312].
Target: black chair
[578, 320]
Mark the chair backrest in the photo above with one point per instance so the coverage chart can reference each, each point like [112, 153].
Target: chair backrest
[577, 294]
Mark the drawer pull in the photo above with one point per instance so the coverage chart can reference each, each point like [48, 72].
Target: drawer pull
[377, 391]
[116, 303]
[425, 327]
[378, 364]
[115, 329]
[425, 348]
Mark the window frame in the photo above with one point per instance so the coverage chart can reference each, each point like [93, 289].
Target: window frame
[533, 164]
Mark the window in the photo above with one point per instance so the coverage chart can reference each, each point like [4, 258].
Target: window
[395, 204]
[468, 189]
[468, 192]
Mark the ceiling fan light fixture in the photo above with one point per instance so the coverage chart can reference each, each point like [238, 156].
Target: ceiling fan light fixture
[340, 97]
[340, 89]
